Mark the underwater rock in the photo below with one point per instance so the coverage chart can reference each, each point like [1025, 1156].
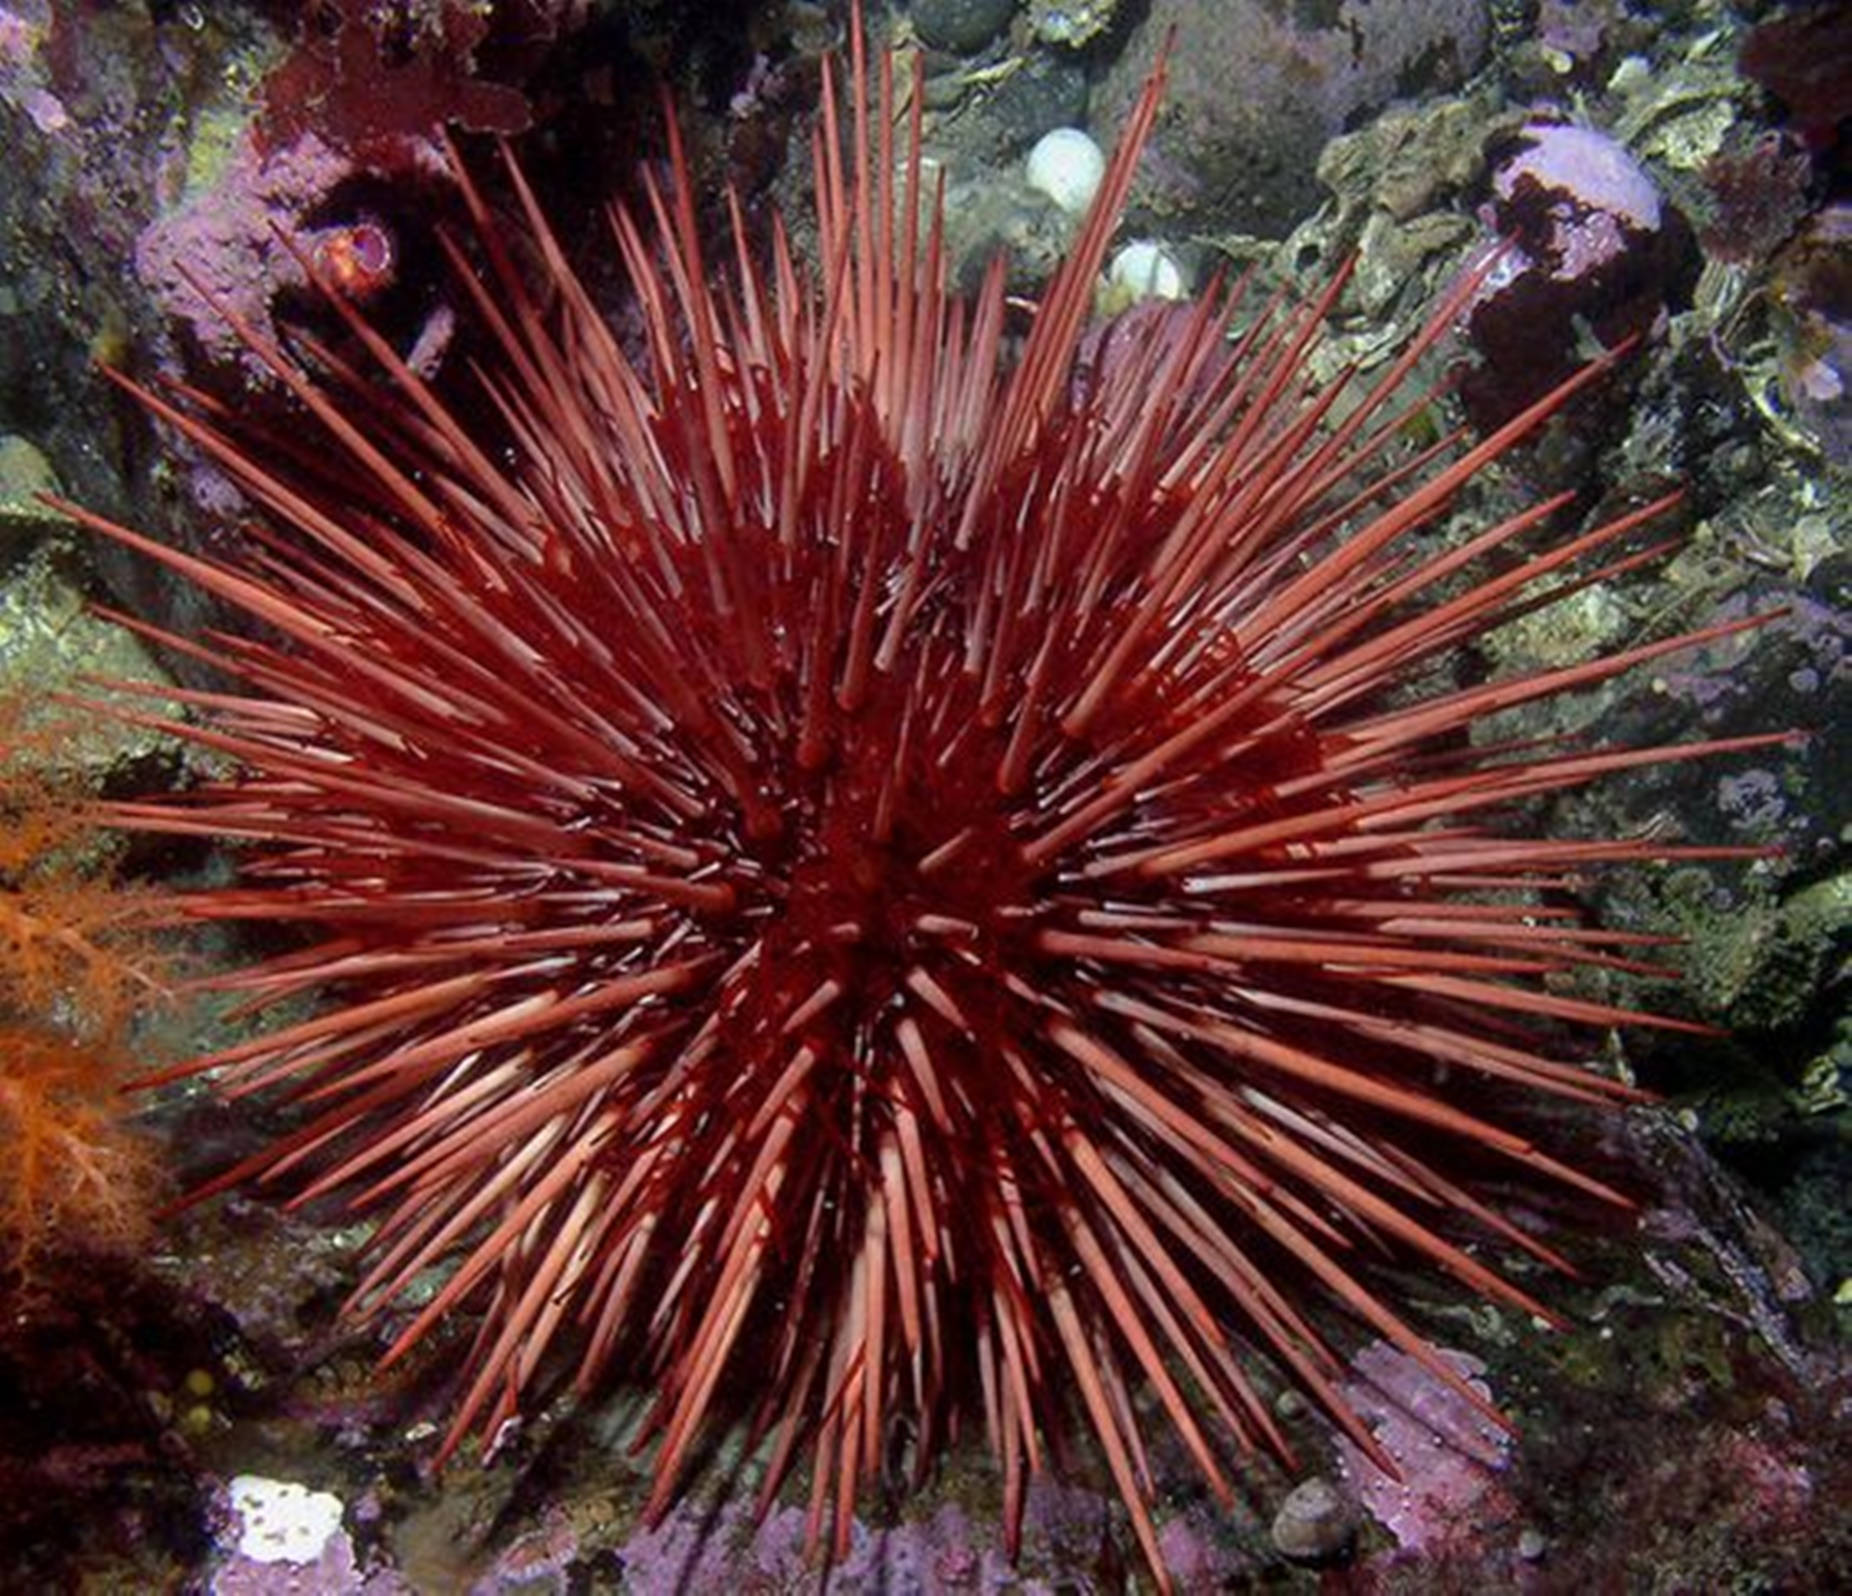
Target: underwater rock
[1450, 1456]
[25, 473]
[1804, 59]
[279, 1536]
[238, 245]
[1073, 23]
[1591, 254]
[960, 25]
[1255, 93]
[1813, 282]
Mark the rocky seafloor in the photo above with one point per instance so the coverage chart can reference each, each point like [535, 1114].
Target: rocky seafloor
[187, 1411]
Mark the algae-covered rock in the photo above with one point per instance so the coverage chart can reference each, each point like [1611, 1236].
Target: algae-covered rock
[53, 648]
[25, 475]
[1759, 963]
[1257, 89]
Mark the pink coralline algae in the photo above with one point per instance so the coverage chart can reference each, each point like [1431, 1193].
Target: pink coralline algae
[1587, 247]
[723, 1553]
[1590, 196]
[231, 243]
[1451, 1456]
[278, 1538]
[725, 1549]
[1576, 29]
[22, 73]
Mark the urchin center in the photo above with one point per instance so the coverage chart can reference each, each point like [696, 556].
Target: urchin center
[897, 858]
[883, 866]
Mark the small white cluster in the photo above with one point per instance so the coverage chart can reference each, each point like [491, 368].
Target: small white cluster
[281, 1521]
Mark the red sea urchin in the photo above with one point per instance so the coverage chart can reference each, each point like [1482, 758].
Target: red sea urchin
[859, 879]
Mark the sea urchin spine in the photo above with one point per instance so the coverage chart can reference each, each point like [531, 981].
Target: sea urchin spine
[860, 879]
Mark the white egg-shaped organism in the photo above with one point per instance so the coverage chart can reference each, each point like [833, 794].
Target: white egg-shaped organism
[1067, 166]
[1144, 270]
